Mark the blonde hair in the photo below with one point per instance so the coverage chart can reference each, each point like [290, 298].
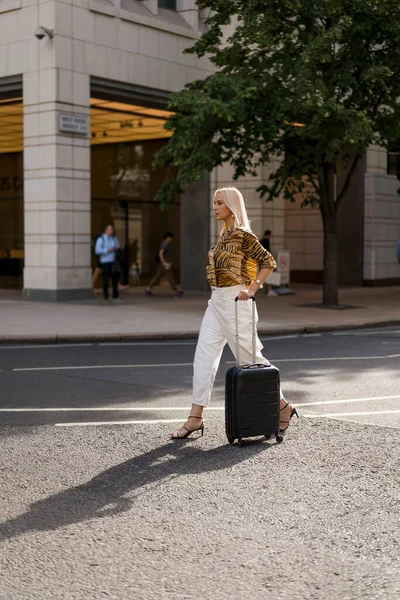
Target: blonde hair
[234, 201]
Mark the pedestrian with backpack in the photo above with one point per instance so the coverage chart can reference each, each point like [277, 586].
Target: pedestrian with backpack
[107, 247]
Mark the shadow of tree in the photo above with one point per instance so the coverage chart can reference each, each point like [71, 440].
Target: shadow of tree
[112, 491]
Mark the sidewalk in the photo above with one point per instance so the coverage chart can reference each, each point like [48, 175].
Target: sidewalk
[139, 317]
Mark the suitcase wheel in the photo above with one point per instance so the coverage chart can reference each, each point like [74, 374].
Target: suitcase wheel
[241, 443]
[279, 439]
[231, 440]
[268, 436]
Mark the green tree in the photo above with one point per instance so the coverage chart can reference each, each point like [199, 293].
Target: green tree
[313, 82]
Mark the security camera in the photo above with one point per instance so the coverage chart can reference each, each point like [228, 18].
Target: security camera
[41, 32]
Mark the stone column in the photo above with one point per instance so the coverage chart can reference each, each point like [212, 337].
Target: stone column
[195, 235]
[350, 225]
[56, 180]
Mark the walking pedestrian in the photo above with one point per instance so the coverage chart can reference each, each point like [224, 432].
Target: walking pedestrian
[106, 249]
[265, 242]
[398, 251]
[97, 270]
[164, 267]
[231, 272]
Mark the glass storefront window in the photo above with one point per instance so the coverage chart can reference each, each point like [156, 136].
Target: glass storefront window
[11, 193]
[124, 185]
[11, 220]
[124, 140]
[393, 158]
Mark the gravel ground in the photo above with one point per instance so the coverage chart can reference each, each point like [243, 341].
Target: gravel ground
[121, 513]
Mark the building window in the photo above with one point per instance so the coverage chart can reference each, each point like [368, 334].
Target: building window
[169, 4]
[393, 158]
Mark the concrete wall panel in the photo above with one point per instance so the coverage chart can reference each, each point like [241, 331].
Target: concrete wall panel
[381, 229]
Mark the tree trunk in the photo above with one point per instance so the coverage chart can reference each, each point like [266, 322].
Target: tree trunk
[330, 292]
[328, 213]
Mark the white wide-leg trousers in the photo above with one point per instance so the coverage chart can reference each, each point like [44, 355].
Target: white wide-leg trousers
[217, 329]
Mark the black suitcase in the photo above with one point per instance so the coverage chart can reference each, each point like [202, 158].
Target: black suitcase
[252, 396]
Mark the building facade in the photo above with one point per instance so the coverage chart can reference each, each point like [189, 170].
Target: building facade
[81, 115]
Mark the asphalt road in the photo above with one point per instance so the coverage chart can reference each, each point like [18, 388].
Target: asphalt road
[353, 375]
[97, 502]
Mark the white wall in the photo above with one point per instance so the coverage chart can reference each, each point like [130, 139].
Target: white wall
[381, 226]
[382, 218]
[304, 236]
[376, 159]
[120, 40]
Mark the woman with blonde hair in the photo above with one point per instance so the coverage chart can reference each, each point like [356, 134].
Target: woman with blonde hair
[231, 272]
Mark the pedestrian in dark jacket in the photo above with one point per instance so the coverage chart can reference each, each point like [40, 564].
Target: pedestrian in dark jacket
[266, 243]
[164, 267]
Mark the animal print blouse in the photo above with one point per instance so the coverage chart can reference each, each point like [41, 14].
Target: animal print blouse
[235, 257]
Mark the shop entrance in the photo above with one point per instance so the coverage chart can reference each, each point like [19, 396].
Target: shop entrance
[11, 194]
[127, 222]
[139, 229]
[125, 138]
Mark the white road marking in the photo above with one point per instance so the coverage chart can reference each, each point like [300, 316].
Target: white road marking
[189, 343]
[312, 334]
[352, 414]
[232, 362]
[369, 332]
[104, 409]
[156, 421]
[348, 400]
[76, 367]
[149, 343]
[229, 362]
[44, 346]
[118, 423]
[144, 343]
[178, 408]
[325, 359]
[278, 337]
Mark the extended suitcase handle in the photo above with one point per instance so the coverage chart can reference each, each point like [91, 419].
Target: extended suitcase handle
[253, 343]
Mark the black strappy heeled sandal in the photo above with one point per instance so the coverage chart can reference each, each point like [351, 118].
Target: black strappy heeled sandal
[176, 436]
[292, 413]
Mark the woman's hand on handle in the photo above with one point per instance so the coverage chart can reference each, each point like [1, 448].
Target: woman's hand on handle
[245, 295]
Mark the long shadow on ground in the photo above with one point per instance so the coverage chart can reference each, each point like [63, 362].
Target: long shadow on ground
[110, 492]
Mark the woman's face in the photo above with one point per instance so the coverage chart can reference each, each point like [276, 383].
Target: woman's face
[221, 211]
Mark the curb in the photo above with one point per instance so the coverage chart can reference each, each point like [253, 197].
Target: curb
[152, 337]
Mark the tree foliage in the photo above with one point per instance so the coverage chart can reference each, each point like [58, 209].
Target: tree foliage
[330, 66]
